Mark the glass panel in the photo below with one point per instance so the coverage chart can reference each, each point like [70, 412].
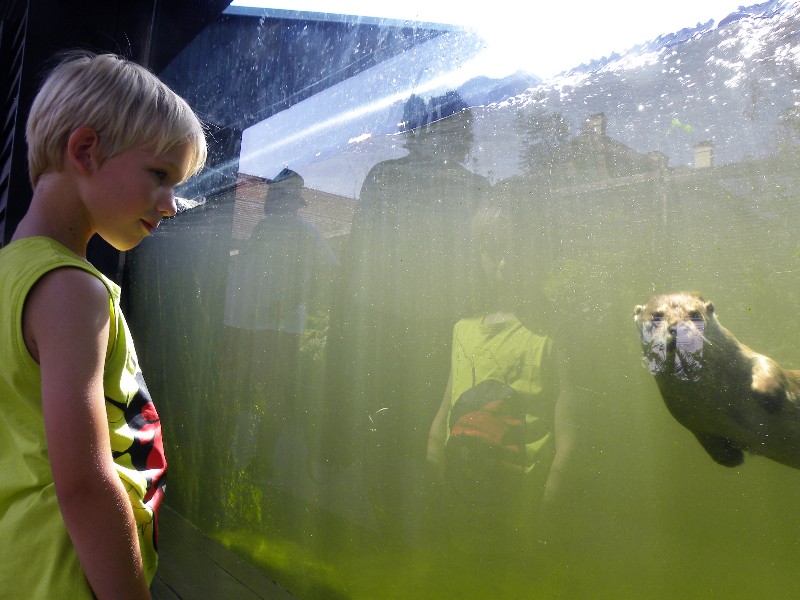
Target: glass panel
[393, 339]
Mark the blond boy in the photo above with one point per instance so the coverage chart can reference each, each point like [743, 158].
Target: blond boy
[81, 456]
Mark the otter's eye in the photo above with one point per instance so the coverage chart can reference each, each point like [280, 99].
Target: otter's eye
[695, 315]
[657, 316]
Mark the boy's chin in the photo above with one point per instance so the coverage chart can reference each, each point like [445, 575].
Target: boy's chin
[122, 245]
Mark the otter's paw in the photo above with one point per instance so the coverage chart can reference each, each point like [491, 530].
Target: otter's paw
[722, 450]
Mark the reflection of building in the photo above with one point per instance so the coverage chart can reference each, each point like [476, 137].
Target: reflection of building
[592, 157]
[612, 211]
[593, 161]
[703, 155]
[331, 214]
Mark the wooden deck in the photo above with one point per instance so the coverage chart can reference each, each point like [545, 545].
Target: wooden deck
[193, 566]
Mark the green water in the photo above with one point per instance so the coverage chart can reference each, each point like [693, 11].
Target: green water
[642, 511]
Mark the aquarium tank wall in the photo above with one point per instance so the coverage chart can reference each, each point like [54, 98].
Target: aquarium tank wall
[391, 330]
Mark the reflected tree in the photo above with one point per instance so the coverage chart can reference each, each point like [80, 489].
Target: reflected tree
[544, 138]
[790, 126]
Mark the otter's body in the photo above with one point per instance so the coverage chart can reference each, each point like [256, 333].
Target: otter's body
[731, 398]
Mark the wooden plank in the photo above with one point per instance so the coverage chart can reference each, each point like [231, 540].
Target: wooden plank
[159, 590]
[192, 565]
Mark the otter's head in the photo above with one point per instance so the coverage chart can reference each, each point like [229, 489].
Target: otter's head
[672, 328]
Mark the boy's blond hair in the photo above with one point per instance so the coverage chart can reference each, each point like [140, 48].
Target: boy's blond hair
[123, 102]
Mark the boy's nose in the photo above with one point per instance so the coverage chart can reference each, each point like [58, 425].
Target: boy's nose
[167, 205]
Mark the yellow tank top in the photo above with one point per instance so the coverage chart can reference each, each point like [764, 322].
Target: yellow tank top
[36, 552]
[510, 353]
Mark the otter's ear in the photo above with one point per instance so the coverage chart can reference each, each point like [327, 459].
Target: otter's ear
[709, 307]
[638, 310]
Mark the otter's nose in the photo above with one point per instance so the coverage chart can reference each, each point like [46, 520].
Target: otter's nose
[672, 338]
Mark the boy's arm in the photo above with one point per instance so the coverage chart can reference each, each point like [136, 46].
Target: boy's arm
[66, 327]
[438, 435]
[565, 434]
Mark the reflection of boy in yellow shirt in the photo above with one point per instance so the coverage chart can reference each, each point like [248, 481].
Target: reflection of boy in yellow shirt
[494, 440]
[507, 353]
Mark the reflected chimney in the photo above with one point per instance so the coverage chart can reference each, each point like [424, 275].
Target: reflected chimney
[704, 155]
[596, 124]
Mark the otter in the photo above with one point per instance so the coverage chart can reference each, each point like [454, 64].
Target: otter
[733, 399]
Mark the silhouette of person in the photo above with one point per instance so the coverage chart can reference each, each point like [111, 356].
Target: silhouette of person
[266, 304]
[407, 277]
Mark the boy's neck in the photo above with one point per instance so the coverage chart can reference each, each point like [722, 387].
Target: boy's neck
[500, 316]
[55, 213]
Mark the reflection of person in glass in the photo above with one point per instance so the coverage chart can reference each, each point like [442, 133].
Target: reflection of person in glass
[496, 443]
[406, 279]
[269, 288]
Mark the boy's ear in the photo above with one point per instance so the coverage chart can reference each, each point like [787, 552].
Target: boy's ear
[82, 149]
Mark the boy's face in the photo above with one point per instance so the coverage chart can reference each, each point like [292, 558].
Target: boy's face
[129, 194]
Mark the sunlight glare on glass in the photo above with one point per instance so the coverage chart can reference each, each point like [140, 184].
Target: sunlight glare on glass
[538, 38]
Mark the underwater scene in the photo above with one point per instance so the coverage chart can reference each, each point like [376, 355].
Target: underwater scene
[418, 335]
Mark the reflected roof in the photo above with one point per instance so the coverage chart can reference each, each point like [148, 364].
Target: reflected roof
[303, 15]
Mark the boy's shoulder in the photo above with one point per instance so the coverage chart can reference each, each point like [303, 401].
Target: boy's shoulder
[27, 260]
[36, 246]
